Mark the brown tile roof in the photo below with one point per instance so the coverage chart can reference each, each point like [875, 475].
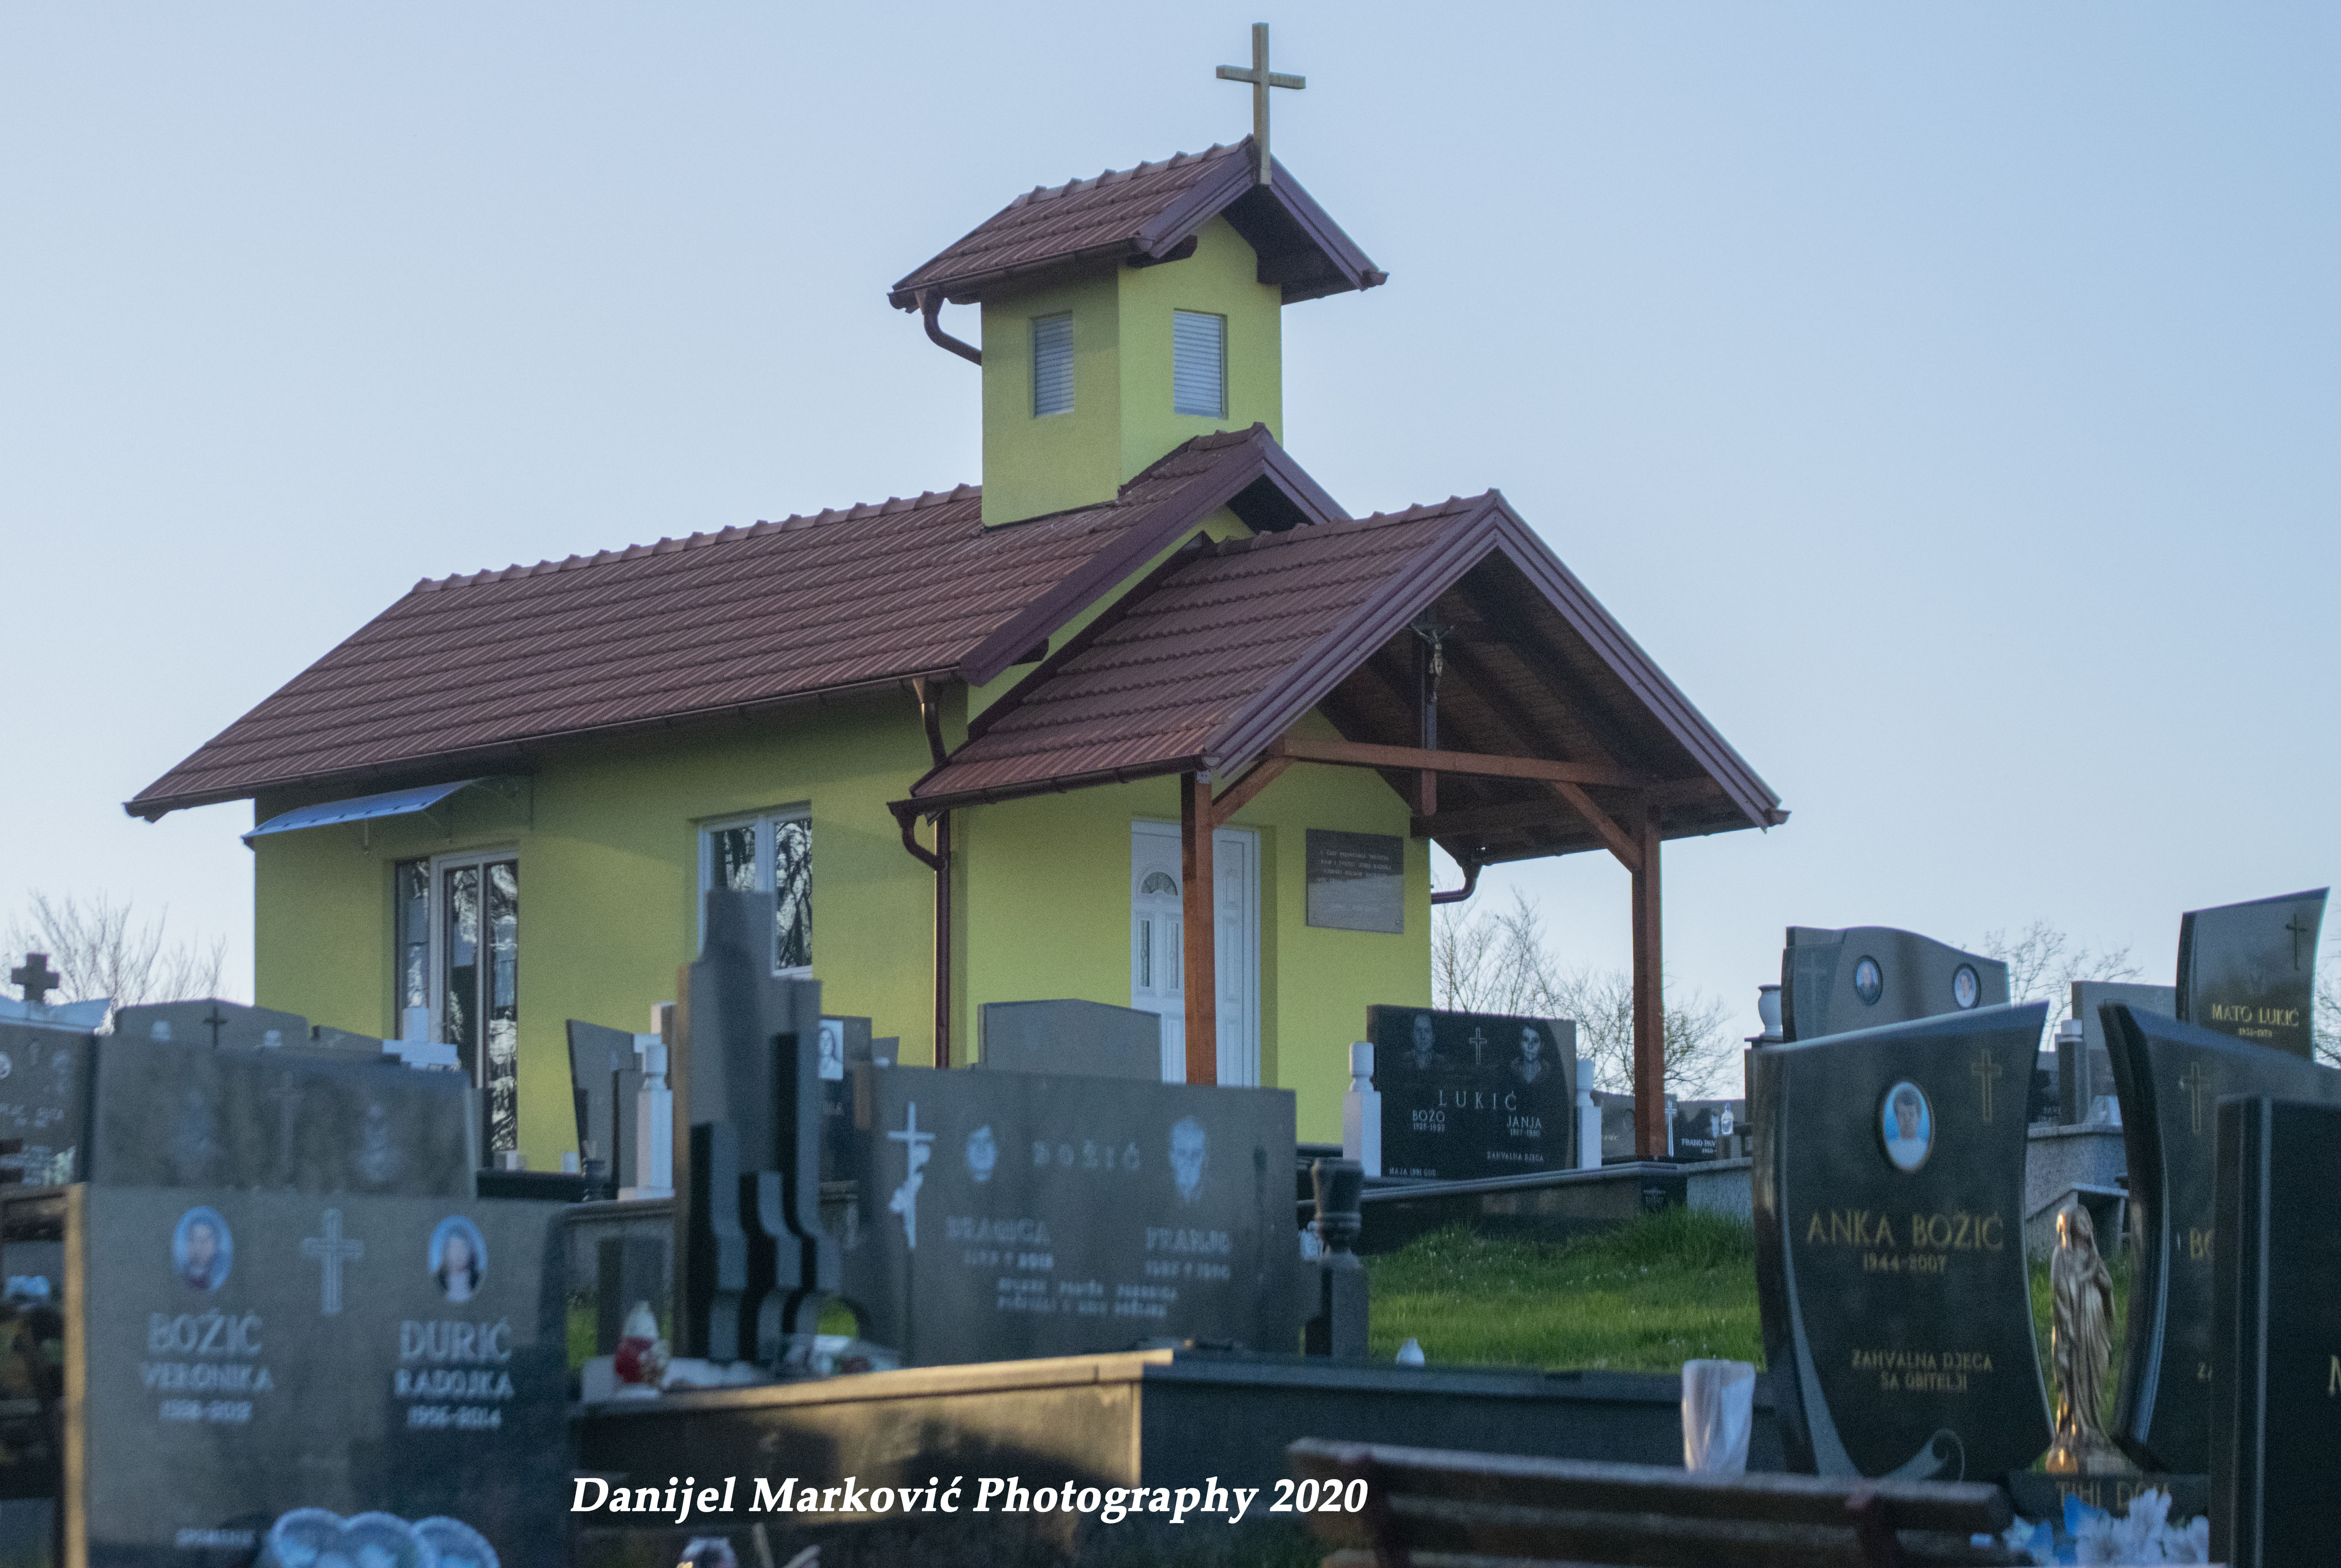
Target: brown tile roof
[1146, 213]
[474, 669]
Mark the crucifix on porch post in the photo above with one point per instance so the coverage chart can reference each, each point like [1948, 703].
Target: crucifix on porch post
[1650, 996]
[1197, 889]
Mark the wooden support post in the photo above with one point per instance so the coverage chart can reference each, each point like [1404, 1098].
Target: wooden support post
[943, 940]
[1649, 997]
[1199, 896]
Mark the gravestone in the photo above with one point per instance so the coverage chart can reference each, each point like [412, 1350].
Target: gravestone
[261, 1368]
[2173, 1076]
[1356, 880]
[44, 1102]
[2085, 1073]
[1889, 1194]
[2250, 970]
[1867, 976]
[1015, 1214]
[1468, 1095]
[605, 1077]
[2276, 1368]
[1094, 1039]
[210, 1022]
[1709, 1129]
[188, 1115]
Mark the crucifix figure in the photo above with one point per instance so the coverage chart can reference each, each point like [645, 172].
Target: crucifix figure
[1261, 79]
[36, 977]
[1986, 1071]
[333, 1252]
[905, 1201]
[2299, 928]
[2194, 1082]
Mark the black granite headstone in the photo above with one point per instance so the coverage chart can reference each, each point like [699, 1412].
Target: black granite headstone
[187, 1115]
[261, 1366]
[1888, 1192]
[2276, 1364]
[1867, 976]
[1468, 1095]
[603, 1074]
[1014, 1215]
[44, 1102]
[1094, 1039]
[1709, 1129]
[2172, 1078]
[208, 1021]
[2249, 970]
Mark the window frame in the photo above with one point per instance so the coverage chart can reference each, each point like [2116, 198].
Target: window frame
[1220, 412]
[435, 868]
[765, 823]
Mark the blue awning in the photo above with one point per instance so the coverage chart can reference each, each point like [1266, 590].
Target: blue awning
[364, 808]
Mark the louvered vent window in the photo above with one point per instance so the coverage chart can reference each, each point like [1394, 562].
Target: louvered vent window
[1052, 365]
[1198, 364]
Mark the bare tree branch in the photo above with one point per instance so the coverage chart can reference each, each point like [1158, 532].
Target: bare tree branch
[102, 949]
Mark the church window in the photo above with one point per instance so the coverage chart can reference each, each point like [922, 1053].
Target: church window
[1198, 364]
[1052, 365]
[771, 851]
[456, 936]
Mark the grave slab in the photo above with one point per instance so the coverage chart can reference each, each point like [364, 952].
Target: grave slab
[2249, 970]
[1473, 1094]
[208, 1021]
[45, 1101]
[1867, 976]
[1093, 1038]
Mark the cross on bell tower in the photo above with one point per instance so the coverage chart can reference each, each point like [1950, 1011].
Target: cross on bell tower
[1261, 79]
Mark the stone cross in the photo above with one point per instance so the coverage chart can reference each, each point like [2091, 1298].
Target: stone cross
[1984, 1071]
[1261, 79]
[36, 977]
[333, 1252]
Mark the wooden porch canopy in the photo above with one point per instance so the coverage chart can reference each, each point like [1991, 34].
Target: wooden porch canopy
[1451, 651]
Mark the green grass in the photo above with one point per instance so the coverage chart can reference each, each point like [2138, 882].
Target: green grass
[1644, 1297]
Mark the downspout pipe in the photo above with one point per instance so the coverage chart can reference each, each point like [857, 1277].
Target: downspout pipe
[1453, 895]
[931, 305]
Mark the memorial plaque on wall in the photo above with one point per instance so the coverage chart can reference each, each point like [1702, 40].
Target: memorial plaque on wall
[1357, 881]
[44, 1101]
[2249, 970]
[1867, 976]
[180, 1116]
[261, 1367]
[1889, 1192]
[2276, 1369]
[2172, 1078]
[1013, 1215]
[1468, 1095]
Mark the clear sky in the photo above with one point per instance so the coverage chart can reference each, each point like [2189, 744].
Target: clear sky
[1947, 396]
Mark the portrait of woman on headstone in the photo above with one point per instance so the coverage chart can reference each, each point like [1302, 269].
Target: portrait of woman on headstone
[202, 1248]
[459, 1258]
[1530, 1064]
[1909, 1127]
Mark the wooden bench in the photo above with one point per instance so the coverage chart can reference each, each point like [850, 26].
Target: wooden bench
[1439, 1508]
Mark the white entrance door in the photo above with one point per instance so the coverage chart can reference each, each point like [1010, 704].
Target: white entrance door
[1157, 981]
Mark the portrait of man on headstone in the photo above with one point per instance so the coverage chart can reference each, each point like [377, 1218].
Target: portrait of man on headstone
[1188, 1145]
[983, 1152]
[1422, 1053]
[459, 1258]
[1909, 1127]
[202, 1248]
[1530, 1064]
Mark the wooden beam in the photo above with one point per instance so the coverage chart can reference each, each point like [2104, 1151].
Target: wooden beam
[1475, 765]
[1240, 794]
[1474, 821]
[1198, 898]
[1621, 842]
[1650, 998]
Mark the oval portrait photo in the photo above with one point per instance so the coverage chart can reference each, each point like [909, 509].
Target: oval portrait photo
[202, 1248]
[459, 1258]
[1907, 1122]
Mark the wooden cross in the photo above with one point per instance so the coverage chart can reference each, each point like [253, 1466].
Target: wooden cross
[36, 977]
[2194, 1082]
[2298, 930]
[1986, 1073]
[1261, 79]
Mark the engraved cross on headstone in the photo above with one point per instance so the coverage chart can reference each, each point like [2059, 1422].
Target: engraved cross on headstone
[2299, 928]
[216, 1020]
[333, 1252]
[1261, 79]
[1479, 1047]
[36, 977]
[1986, 1071]
[2194, 1082]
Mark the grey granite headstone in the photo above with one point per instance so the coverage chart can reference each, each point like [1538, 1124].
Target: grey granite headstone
[187, 1115]
[1468, 1094]
[1356, 880]
[1014, 1215]
[603, 1074]
[321, 1353]
[2173, 1076]
[1095, 1039]
[1889, 1194]
[208, 1021]
[2085, 1075]
[2276, 1364]
[45, 1101]
[2249, 970]
[1866, 976]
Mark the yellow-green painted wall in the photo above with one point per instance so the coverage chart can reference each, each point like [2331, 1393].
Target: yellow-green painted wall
[1120, 420]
